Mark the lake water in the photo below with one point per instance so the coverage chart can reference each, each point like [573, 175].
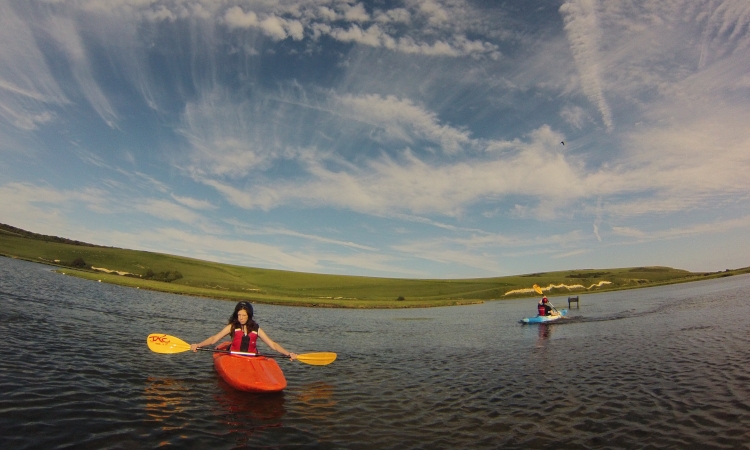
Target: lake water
[663, 367]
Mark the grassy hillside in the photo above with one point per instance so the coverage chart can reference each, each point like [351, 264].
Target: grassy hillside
[224, 281]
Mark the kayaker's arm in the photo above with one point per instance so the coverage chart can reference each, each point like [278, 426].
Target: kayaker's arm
[213, 339]
[270, 342]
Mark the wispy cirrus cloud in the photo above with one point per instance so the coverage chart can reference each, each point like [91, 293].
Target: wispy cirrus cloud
[193, 203]
[303, 236]
[719, 226]
[583, 32]
[216, 248]
[28, 91]
[402, 120]
[167, 210]
[64, 31]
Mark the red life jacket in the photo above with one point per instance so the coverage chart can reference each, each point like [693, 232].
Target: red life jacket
[242, 342]
[542, 310]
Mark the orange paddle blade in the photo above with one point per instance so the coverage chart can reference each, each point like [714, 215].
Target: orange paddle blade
[317, 359]
[538, 289]
[164, 343]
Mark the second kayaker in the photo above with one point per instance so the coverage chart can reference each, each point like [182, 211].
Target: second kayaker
[244, 332]
[544, 307]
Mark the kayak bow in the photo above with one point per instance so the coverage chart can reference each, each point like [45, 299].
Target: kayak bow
[249, 373]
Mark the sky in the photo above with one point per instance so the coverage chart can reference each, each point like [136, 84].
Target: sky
[408, 139]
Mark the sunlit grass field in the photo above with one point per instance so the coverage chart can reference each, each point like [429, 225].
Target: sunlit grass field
[230, 282]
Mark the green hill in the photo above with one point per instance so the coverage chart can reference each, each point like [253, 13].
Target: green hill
[180, 275]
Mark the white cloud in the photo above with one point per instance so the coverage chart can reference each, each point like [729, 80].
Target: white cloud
[598, 220]
[295, 29]
[217, 248]
[263, 198]
[401, 119]
[274, 27]
[372, 36]
[27, 88]
[485, 251]
[575, 116]
[305, 236]
[159, 13]
[569, 254]
[66, 33]
[584, 34]
[194, 203]
[277, 28]
[396, 15]
[487, 240]
[696, 229]
[356, 13]
[24, 119]
[167, 210]
[445, 255]
[326, 14]
[235, 17]
[45, 208]
[213, 247]
[438, 48]
[691, 163]
[371, 263]
[223, 135]
[436, 15]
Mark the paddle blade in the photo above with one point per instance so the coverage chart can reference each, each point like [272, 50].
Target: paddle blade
[317, 359]
[164, 343]
[538, 289]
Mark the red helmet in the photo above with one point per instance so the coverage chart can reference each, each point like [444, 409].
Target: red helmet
[544, 300]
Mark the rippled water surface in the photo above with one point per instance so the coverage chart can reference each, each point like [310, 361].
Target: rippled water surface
[661, 367]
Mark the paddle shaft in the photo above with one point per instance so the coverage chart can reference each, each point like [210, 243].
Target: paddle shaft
[315, 359]
[216, 350]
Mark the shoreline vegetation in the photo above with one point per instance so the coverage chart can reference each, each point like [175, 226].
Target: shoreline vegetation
[188, 276]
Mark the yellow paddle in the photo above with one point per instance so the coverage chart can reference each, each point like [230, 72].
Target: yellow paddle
[164, 343]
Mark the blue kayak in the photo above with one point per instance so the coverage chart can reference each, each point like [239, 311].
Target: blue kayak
[545, 319]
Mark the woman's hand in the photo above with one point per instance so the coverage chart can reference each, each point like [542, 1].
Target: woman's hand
[194, 347]
[292, 356]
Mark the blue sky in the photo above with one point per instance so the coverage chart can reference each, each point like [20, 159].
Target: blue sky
[417, 139]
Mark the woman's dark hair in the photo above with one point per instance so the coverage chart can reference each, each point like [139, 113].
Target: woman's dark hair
[235, 322]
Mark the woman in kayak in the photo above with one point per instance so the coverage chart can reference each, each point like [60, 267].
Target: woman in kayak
[244, 333]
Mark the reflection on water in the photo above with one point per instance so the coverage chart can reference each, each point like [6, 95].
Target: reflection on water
[545, 331]
[164, 398]
[246, 415]
[316, 400]
[242, 407]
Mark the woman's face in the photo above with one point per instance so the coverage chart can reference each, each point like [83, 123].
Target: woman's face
[242, 316]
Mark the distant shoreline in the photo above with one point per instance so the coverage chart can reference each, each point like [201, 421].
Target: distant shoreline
[328, 303]
[189, 276]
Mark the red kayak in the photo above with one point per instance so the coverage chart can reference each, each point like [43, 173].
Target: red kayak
[249, 373]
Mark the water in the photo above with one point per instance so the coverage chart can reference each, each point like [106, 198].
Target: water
[651, 368]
